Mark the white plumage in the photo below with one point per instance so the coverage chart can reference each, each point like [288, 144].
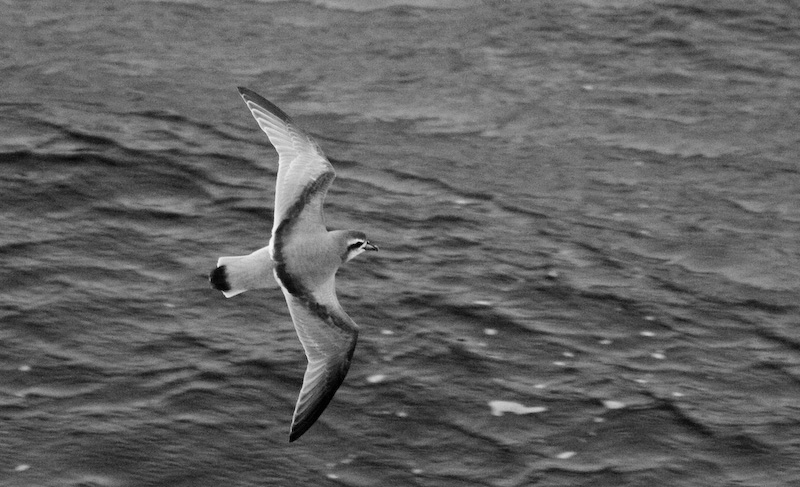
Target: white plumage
[302, 257]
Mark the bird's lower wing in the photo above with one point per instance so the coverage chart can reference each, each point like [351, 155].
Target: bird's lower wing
[328, 337]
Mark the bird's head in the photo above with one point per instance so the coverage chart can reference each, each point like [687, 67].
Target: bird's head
[354, 243]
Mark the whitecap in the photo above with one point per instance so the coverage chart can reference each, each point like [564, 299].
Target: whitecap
[501, 407]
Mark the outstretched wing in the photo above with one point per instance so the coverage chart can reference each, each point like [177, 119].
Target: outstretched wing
[328, 337]
[304, 173]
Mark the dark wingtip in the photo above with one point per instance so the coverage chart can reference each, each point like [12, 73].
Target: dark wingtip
[309, 415]
[251, 95]
[219, 279]
[299, 429]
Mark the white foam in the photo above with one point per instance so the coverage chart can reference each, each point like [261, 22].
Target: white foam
[501, 407]
[564, 455]
[376, 378]
[613, 404]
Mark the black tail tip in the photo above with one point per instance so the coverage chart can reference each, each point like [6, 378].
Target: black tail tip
[219, 279]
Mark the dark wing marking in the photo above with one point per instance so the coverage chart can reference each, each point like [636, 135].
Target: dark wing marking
[329, 338]
[301, 162]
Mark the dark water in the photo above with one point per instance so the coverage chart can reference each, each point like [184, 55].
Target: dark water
[587, 208]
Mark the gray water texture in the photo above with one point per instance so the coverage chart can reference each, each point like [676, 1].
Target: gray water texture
[588, 215]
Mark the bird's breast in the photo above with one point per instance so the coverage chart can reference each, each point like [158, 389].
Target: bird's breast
[310, 260]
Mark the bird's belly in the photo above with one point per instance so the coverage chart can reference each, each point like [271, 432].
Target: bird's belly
[309, 261]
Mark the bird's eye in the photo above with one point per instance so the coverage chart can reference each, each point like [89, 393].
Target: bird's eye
[355, 245]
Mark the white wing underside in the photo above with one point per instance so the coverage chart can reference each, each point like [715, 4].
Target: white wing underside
[301, 162]
[328, 337]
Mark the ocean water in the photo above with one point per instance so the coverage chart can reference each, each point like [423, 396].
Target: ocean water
[588, 215]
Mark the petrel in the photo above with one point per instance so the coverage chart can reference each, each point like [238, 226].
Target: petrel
[302, 257]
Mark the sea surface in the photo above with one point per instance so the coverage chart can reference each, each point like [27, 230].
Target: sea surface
[588, 214]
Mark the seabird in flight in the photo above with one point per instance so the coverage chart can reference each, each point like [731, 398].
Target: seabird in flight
[302, 257]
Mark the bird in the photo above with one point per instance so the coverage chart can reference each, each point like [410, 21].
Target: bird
[302, 258]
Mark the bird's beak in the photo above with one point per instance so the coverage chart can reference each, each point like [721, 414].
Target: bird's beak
[370, 246]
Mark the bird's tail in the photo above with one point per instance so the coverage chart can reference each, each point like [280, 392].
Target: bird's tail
[235, 275]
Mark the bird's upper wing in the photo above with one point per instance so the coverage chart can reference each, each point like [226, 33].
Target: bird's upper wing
[304, 173]
[329, 338]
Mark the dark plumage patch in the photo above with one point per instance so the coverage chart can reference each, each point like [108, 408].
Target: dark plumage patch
[311, 411]
[260, 100]
[219, 279]
[323, 312]
[294, 287]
